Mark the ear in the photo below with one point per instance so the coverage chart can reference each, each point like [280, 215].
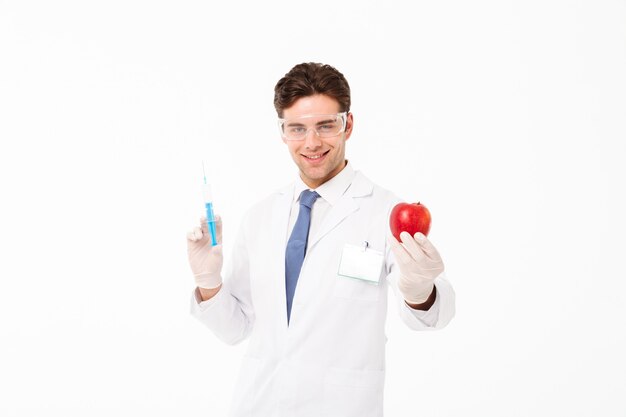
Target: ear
[349, 125]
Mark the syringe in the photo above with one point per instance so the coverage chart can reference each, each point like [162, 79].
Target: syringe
[208, 204]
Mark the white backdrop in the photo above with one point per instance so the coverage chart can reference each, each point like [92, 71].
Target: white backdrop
[507, 119]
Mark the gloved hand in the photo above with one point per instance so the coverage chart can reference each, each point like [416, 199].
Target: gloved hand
[205, 260]
[419, 264]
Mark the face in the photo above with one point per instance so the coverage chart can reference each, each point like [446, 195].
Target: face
[319, 159]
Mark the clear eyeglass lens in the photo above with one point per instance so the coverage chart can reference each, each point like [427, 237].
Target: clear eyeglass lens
[325, 126]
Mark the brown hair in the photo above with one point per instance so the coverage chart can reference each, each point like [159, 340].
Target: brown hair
[311, 78]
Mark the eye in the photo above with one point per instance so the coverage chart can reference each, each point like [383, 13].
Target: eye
[328, 127]
[296, 130]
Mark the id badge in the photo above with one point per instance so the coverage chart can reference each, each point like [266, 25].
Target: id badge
[360, 262]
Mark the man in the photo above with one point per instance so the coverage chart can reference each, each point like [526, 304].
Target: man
[310, 271]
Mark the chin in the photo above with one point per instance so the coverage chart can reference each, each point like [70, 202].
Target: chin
[315, 176]
[317, 173]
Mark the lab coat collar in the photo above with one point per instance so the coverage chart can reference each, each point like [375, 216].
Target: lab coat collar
[343, 196]
[358, 185]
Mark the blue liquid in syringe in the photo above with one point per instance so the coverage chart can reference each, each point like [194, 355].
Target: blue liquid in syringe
[211, 222]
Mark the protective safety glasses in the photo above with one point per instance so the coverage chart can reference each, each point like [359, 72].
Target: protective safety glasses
[324, 125]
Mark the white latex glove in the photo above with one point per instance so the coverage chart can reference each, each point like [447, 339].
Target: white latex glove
[419, 264]
[205, 260]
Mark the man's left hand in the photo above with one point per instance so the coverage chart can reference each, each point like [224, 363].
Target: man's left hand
[419, 264]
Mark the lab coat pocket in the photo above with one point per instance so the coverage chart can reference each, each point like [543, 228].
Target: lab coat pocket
[349, 393]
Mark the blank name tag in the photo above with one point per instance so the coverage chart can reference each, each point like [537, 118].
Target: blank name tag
[361, 263]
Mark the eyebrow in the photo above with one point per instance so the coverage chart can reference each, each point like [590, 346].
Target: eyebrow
[321, 122]
[294, 123]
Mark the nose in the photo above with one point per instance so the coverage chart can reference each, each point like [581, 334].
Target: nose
[312, 139]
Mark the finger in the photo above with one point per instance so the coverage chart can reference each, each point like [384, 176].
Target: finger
[204, 225]
[427, 246]
[203, 219]
[216, 250]
[194, 234]
[218, 228]
[412, 247]
[398, 250]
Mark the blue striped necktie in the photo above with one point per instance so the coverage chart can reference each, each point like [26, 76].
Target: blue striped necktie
[296, 247]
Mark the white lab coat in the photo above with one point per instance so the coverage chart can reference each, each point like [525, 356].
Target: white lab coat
[330, 360]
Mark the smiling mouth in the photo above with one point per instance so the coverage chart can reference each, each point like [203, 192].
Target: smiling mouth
[316, 156]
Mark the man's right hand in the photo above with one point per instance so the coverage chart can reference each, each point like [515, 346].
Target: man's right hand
[206, 260]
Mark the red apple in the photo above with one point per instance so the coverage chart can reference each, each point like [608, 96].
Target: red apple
[409, 217]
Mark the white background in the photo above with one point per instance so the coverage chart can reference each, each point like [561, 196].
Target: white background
[507, 119]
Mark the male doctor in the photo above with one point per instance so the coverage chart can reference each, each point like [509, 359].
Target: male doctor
[308, 285]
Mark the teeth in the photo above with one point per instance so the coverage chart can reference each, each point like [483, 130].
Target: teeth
[314, 157]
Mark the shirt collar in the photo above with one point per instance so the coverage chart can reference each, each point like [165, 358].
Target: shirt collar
[332, 189]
